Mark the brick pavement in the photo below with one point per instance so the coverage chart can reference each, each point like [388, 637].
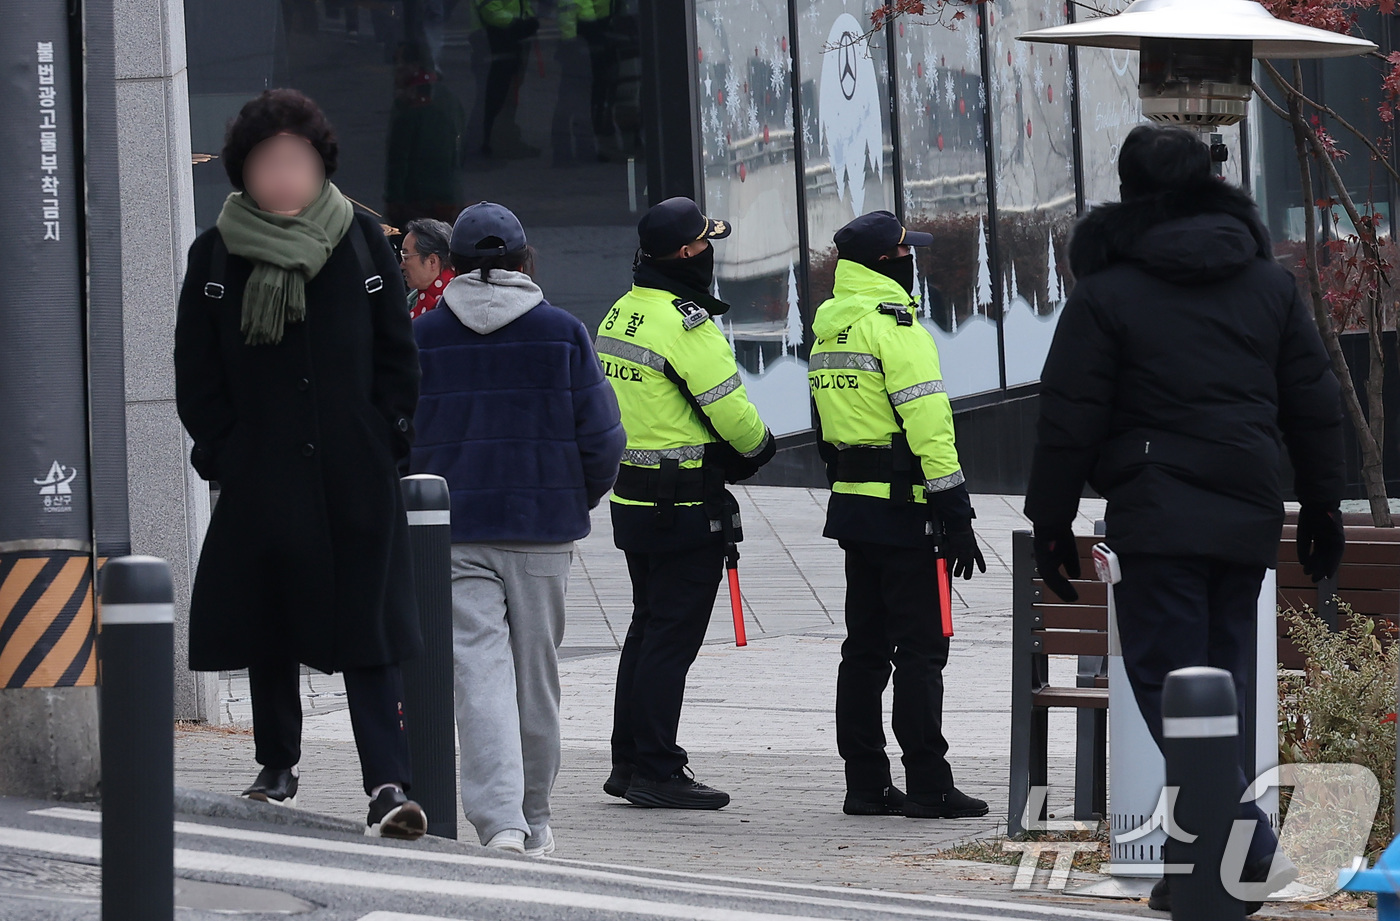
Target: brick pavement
[758, 720]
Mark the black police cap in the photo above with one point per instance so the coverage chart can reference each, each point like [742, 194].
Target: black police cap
[873, 235]
[674, 223]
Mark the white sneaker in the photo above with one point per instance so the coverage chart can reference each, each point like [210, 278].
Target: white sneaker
[511, 839]
[545, 845]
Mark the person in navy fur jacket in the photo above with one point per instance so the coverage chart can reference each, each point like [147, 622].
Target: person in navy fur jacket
[517, 416]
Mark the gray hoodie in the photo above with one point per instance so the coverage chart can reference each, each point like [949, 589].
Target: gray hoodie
[486, 306]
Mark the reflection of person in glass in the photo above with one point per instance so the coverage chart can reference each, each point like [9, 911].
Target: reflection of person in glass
[423, 166]
[595, 28]
[898, 497]
[690, 429]
[509, 25]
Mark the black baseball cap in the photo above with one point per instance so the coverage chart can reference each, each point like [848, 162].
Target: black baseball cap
[674, 223]
[873, 235]
[487, 229]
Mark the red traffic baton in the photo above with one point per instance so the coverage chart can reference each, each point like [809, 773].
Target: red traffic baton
[736, 600]
[945, 595]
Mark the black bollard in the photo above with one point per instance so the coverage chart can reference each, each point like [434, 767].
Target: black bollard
[136, 649]
[1200, 741]
[428, 679]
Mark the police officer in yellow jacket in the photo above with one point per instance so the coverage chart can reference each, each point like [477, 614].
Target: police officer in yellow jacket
[898, 499]
[690, 430]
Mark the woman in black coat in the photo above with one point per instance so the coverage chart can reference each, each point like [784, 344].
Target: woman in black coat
[296, 376]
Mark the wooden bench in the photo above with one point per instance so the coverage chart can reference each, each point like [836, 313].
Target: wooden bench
[1368, 580]
[1043, 626]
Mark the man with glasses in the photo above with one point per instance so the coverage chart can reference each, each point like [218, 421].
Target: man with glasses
[426, 265]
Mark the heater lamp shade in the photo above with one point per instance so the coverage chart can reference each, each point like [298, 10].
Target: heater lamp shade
[1221, 20]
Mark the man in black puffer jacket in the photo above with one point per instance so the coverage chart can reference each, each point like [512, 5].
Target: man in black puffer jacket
[1183, 358]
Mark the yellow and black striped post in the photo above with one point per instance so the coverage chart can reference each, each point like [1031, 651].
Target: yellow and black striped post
[47, 629]
[48, 701]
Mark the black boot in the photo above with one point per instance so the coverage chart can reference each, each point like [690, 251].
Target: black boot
[889, 801]
[954, 804]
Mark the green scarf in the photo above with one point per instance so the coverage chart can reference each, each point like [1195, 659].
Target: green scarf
[286, 252]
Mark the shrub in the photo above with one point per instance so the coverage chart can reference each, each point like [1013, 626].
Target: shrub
[1341, 707]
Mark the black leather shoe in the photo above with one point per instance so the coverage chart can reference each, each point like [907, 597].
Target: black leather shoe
[889, 801]
[1161, 897]
[274, 785]
[679, 791]
[951, 805]
[619, 780]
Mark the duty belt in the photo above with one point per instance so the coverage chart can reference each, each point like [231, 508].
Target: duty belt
[895, 465]
[668, 485]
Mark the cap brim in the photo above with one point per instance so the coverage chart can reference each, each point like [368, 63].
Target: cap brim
[718, 230]
[916, 238]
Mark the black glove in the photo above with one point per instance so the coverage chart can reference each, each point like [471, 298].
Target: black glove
[952, 516]
[960, 547]
[738, 467]
[1321, 541]
[204, 462]
[1055, 548]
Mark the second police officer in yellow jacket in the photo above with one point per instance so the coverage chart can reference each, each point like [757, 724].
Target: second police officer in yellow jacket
[898, 499]
[690, 430]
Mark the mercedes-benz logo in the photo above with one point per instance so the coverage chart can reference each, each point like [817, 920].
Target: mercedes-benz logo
[848, 64]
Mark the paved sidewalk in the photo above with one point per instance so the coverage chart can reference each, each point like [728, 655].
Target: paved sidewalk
[758, 721]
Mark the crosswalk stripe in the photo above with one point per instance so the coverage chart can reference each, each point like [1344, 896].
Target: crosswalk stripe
[767, 890]
[288, 871]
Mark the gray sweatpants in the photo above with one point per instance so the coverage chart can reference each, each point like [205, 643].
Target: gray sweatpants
[507, 624]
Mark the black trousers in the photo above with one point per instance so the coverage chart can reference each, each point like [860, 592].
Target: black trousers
[892, 624]
[507, 61]
[672, 597]
[1175, 612]
[375, 696]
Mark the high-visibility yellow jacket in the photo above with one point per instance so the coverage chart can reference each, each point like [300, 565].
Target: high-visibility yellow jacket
[499, 14]
[872, 359]
[647, 353]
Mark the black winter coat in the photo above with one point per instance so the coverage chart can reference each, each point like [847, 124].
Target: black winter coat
[1182, 359]
[307, 553]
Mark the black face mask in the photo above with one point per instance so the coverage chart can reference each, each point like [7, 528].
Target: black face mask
[696, 273]
[900, 269]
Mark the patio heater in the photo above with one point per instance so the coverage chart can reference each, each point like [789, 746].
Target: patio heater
[1194, 70]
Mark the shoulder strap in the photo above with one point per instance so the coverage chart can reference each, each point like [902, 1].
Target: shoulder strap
[374, 282]
[218, 266]
[906, 468]
[674, 377]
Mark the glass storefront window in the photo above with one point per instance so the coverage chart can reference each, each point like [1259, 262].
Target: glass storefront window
[1033, 142]
[1109, 108]
[439, 104]
[942, 149]
[749, 177]
[845, 125]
